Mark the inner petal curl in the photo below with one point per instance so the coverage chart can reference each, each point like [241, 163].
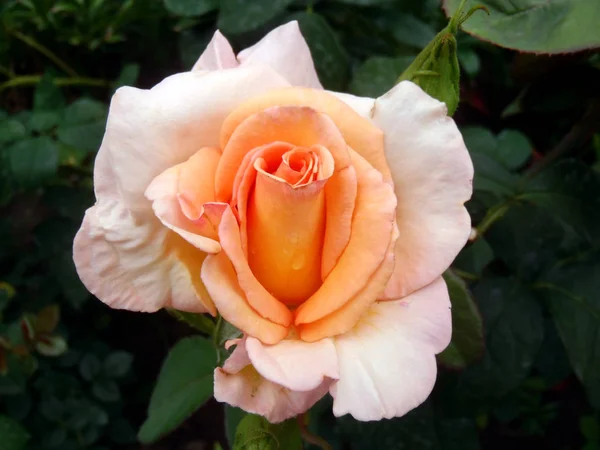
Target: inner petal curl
[286, 221]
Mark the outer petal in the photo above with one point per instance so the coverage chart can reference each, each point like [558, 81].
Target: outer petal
[140, 266]
[222, 284]
[284, 49]
[179, 194]
[239, 384]
[149, 131]
[217, 55]
[387, 362]
[294, 364]
[433, 176]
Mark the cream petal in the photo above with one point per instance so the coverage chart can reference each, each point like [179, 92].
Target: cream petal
[294, 364]
[433, 175]
[149, 131]
[217, 55]
[136, 264]
[285, 51]
[387, 362]
[239, 384]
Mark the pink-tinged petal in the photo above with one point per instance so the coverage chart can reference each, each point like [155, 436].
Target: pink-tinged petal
[364, 106]
[256, 295]
[346, 317]
[149, 131]
[222, 284]
[433, 175]
[239, 384]
[136, 264]
[285, 51]
[387, 362]
[294, 364]
[372, 226]
[179, 195]
[217, 55]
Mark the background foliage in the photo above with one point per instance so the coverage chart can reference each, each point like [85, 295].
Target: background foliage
[523, 368]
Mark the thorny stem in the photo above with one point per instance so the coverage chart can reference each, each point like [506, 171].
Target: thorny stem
[46, 52]
[25, 80]
[309, 437]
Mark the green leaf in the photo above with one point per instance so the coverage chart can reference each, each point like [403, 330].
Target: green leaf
[11, 130]
[331, 60]
[412, 31]
[514, 327]
[467, 343]
[414, 431]
[47, 97]
[475, 256]
[240, 16]
[192, 44]
[365, 2]
[128, 76]
[570, 191]
[117, 364]
[13, 435]
[510, 148]
[233, 417]
[200, 322]
[83, 124]
[575, 306]
[89, 367]
[513, 149]
[469, 61]
[527, 239]
[42, 121]
[553, 26]
[190, 8]
[377, 75]
[32, 161]
[106, 391]
[185, 382]
[256, 433]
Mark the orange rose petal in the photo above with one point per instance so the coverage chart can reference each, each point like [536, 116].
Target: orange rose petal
[340, 197]
[258, 297]
[299, 126]
[179, 193]
[285, 237]
[359, 133]
[347, 316]
[245, 179]
[221, 282]
[372, 225]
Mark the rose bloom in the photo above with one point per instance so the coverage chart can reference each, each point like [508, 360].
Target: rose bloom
[317, 223]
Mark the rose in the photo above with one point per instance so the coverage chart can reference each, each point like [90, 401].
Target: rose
[317, 223]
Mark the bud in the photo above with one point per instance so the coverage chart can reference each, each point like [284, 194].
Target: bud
[256, 433]
[436, 68]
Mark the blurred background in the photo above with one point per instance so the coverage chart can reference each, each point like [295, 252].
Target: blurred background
[523, 370]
